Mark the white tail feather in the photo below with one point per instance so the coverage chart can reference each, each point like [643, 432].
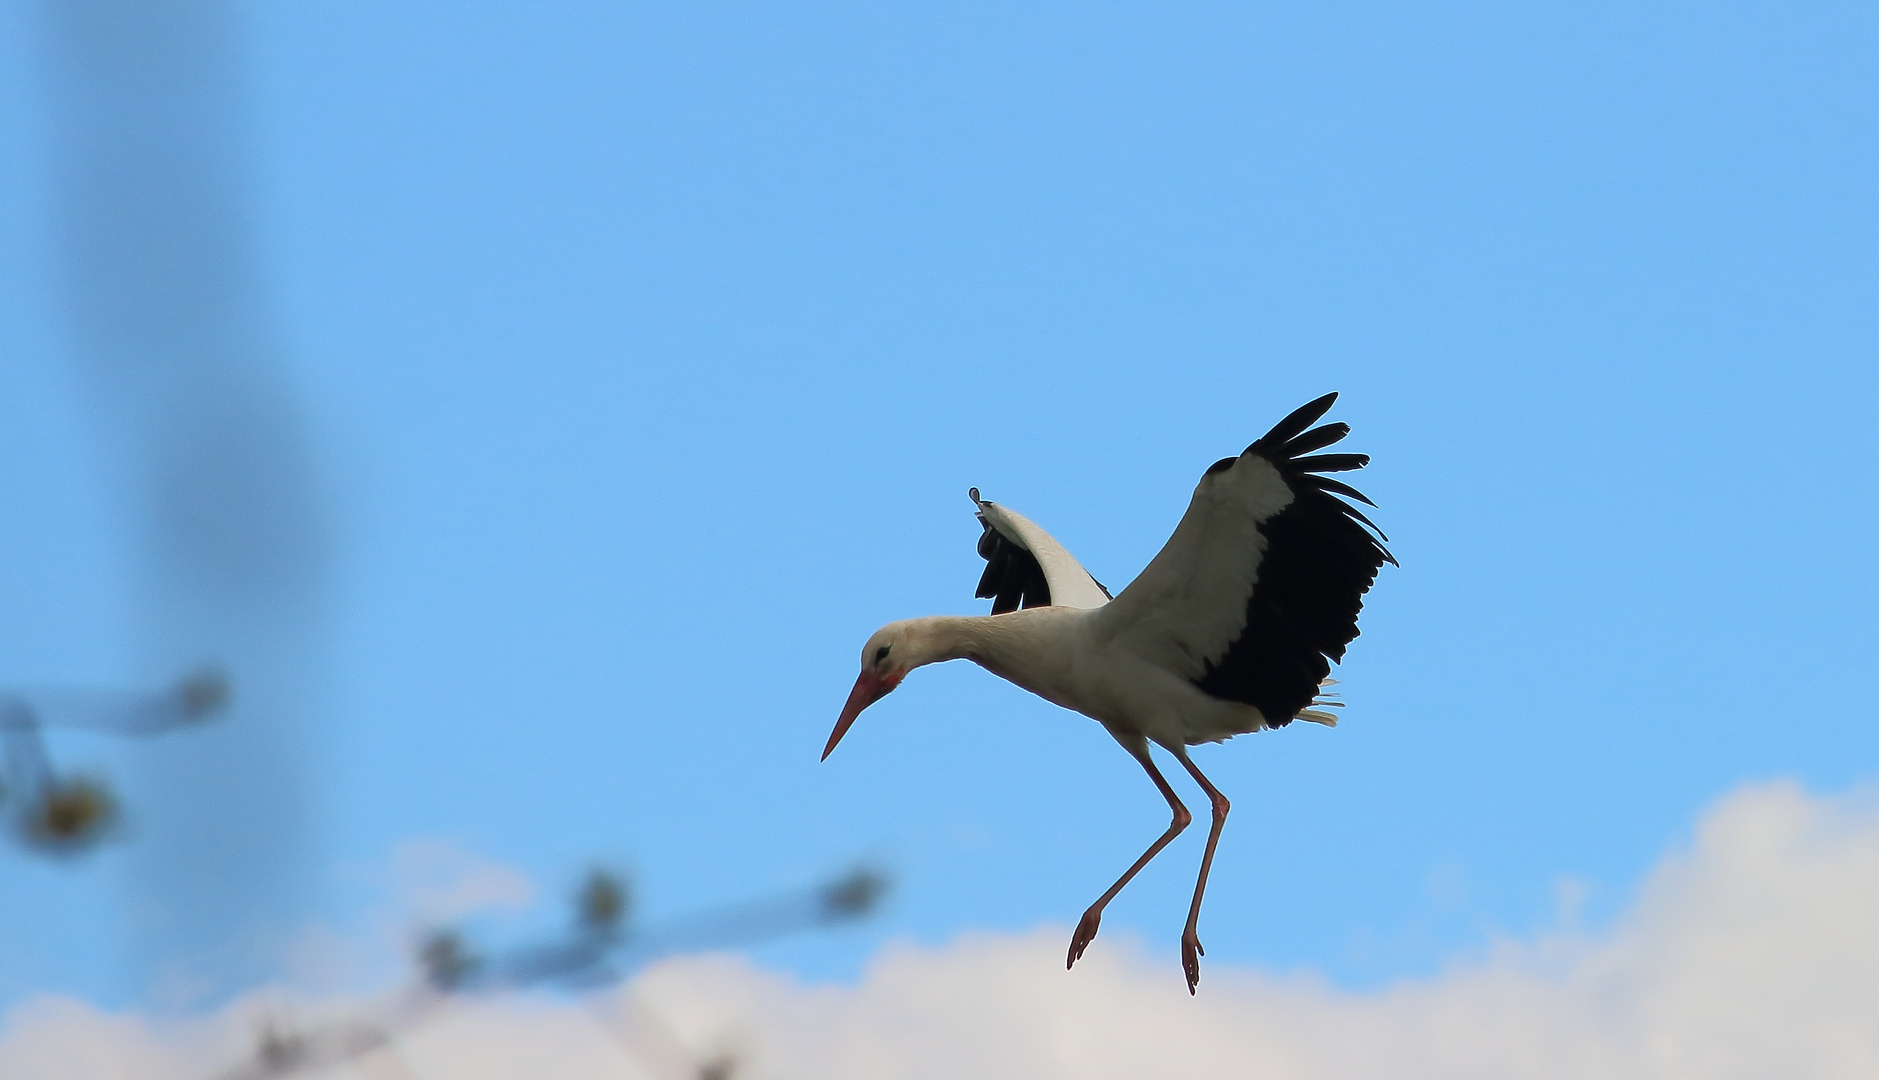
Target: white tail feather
[1327, 700]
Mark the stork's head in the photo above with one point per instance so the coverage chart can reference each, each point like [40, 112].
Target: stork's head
[894, 650]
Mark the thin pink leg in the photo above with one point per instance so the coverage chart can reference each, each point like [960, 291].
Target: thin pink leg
[1093, 918]
[1191, 952]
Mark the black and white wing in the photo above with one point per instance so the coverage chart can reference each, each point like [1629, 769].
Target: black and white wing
[1259, 588]
[1025, 567]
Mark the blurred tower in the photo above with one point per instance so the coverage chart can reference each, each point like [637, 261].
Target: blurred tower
[169, 327]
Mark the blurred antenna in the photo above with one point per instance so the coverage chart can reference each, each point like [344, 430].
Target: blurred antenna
[601, 949]
[602, 905]
[67, 815]
[447, 963]
[163, 289]
[282, 1049]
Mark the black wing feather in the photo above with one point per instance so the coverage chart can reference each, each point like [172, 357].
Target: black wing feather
[1359, 515]
[1316, 439]
[1013, 577]
[1319, 562]
[1299, 419]
[1327, 463]
[1338, 487]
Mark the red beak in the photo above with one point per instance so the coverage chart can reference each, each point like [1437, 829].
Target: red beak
[869, 688]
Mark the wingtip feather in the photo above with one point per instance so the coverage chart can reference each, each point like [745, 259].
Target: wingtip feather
[1295, 422]
[1330, 462]
[1316, 439]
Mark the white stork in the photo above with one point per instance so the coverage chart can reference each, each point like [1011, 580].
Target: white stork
[1231, 629]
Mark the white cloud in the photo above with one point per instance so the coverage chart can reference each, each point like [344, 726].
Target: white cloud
[1753, 954]
[437, 881]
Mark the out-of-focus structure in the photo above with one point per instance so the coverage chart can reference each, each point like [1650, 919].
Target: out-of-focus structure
[165, 303]
[59, 814]
[600, 949]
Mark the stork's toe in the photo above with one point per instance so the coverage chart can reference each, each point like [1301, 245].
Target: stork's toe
[1086, 933]
[1191, 952]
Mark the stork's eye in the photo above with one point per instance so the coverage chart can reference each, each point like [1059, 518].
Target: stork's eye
[880, 654]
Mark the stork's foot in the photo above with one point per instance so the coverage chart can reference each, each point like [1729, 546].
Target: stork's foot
[1086, 933]
[1191, 952]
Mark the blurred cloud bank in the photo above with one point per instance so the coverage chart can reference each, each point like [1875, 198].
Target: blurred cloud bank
[1751, 954]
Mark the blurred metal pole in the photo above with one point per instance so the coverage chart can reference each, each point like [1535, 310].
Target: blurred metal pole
[170, 330]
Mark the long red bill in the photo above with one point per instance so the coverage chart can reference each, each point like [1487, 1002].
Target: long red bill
[869, 688]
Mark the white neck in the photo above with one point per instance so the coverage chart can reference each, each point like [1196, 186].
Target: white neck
[938, 638]
[1015, 645]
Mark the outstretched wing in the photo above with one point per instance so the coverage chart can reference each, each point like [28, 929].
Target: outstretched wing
[1259, 588]
[1025, 567]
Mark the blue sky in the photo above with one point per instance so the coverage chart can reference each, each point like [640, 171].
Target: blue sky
[649, 354]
